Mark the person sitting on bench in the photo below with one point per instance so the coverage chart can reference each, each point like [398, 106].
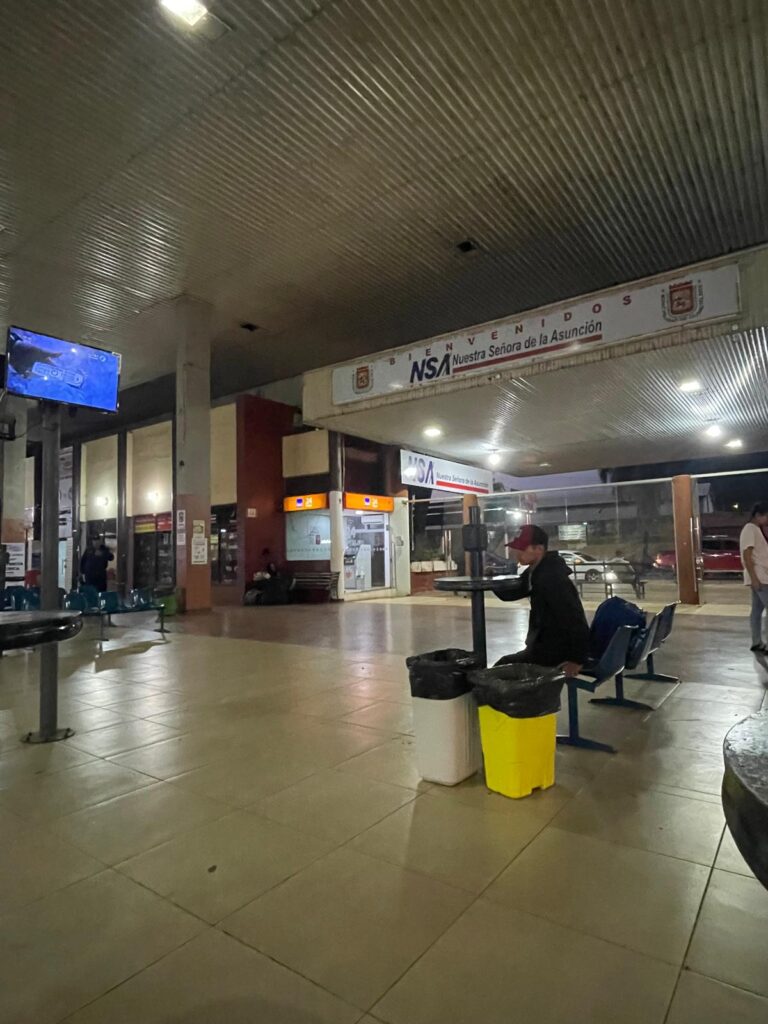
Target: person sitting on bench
[558, 633]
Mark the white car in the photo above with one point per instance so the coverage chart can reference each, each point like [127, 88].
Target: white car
[598, 570]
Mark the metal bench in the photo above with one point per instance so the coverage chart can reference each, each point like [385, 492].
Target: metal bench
[325, 581]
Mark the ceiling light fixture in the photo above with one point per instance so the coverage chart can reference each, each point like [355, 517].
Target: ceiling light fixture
[715, 430]
[735, 443]
[690, 387]
[153, 495]
[102, 501]
[494, 459]
[433, 432]
[190, 11]
[545, 465]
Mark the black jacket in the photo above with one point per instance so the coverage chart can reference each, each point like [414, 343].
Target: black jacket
[557, 627]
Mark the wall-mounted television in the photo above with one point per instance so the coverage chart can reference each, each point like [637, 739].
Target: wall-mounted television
[55, 370]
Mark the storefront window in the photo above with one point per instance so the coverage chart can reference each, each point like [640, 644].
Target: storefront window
[367, 551]
[224, 543]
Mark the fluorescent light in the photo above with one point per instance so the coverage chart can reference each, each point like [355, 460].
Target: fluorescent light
[735, 443]
[545, 465]
[190, 11]
[153, 495]
[494, 459]
[714, 431]
[103, 502]
[690, 387]
[433, 432]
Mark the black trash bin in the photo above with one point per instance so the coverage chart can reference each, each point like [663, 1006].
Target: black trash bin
[445, 715]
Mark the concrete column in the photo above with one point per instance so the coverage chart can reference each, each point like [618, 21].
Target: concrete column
[469, 501]
[685, 547]
[193, 454]
[14, 474]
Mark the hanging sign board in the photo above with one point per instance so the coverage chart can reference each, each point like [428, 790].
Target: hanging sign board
[369, 502]
[442, 475]
[305, 503]
[605, 318]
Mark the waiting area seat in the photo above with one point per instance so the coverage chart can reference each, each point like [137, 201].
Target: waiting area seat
[108, 603]
[327, 582]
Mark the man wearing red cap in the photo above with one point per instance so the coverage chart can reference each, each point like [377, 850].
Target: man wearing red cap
[558, 633]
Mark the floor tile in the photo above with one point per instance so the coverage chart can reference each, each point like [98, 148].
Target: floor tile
[215, 979]
[218, 868]
[659, 734]
[103, 695]
[79, 943]
[725, 694]
[543, 803]
[702, 711]
[334, 805]
[557, 976]
[145, 707]
[386, 715]
[52, 796]
[393, 762]
[701, 1000]
[363, 923]
[730, 859]
[637, 899]
[647, 819]
[702, 772]
[245, 779]
[334, 704]
[115, 739]
[452, 842]
[730, 938]
[30, 760]
[174, 756]
[377, 689]
[34, 863]
[127, 825]
[89, 718]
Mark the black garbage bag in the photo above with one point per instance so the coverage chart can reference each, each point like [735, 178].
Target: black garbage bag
[441, 675]
[520, 691]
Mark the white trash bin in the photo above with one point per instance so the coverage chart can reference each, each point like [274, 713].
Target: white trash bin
[448, 748]
[445, 719]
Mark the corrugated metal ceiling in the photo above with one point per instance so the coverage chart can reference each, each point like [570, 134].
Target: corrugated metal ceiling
[313, 169]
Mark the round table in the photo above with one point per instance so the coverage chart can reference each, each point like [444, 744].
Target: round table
[28, 629]
[745, 790]
[477, 587]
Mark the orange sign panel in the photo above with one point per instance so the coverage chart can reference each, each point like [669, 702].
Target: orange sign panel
[305, 503]
[369, 502]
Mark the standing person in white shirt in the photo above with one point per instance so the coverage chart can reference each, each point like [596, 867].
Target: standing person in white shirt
[754, 558]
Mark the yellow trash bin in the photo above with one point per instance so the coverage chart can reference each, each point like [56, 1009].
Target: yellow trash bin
[519, 753]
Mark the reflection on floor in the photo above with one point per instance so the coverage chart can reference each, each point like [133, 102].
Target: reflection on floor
[237, 833]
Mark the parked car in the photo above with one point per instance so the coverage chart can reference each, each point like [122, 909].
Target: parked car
[719, 555]
[497, 565]
[598, 570]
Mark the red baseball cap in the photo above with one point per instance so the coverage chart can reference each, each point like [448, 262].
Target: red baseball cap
[528, 535]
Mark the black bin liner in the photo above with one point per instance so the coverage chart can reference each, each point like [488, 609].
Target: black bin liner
[520, 691]
[441, 675]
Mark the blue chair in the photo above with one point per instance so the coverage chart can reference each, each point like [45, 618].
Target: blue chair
[15, 597]
[90, 594]
[76, 601]
[109, 601]
[666, 618]
[639, 646]
[31, 600]
[609, 665]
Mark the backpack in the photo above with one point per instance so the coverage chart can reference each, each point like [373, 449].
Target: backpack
[612, 614]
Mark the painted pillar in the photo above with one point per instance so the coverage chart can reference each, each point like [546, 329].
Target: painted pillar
[685, 547]
[192, 506]
[14, 474]
[469, 501]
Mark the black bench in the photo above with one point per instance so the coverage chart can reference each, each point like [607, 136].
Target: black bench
[320, 581]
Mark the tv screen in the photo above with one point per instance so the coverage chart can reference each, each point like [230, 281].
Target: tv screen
[38, 366]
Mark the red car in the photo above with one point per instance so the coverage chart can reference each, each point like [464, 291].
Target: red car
[720, 556]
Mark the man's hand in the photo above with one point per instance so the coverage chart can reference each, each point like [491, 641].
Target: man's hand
[756, 584]
[571, 668]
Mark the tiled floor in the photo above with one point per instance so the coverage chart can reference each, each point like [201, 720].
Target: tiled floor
[238, 833]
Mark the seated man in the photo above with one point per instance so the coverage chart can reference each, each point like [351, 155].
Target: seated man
[558, 633]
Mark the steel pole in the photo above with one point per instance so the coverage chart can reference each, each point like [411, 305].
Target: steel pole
[478, 596]
[49, 730]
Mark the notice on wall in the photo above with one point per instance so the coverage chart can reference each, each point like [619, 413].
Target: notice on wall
[14, 569]
[572, 532]
[606, 318]
[181, 520]
[181, 538]
[199, 555]
[198, 527]
[308, 537]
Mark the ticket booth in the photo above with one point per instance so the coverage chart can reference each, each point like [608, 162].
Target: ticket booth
[368, 557]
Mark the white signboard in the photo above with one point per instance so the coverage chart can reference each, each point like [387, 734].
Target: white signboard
[441, 475]
[14, 569]
[572, 531]
[308, 536]
[603, 319]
